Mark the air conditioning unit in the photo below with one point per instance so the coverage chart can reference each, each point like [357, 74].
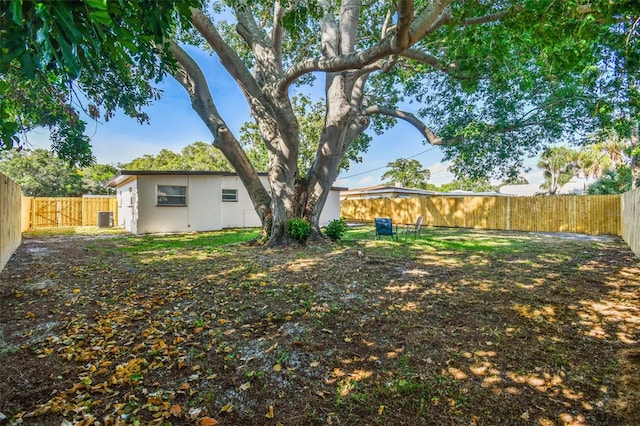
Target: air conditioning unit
[105, 219]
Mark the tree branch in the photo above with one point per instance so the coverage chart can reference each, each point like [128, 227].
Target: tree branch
[278, 30]
[191, 77]
[431, 137]
[421, 26]
[228, 57]
[349, 13]
[405, 15]
[427, 59]
[489, 18]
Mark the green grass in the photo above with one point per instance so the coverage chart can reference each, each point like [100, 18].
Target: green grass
[213, 239]
[72, 230]
[447, 239]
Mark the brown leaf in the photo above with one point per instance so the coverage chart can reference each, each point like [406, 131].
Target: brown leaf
[207, 421]
[175, 410]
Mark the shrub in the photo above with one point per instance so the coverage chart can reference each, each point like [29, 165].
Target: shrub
[336, 229]
[299, 229]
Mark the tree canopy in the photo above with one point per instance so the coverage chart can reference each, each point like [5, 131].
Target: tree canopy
[196, 156]
[41, 174]
[407, 173]
[63, 60]
[497, 81]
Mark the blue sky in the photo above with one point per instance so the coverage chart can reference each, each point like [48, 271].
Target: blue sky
[174, 125]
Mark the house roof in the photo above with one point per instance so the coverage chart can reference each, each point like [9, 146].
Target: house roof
[574, 186]
[385, 189]
[125, 176]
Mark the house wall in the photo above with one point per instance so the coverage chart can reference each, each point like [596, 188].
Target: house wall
[202, 212]
[331, 208]
[127, 196]
[205, 210]
[240, 214]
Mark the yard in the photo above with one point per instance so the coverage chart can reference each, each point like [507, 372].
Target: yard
[457, 327]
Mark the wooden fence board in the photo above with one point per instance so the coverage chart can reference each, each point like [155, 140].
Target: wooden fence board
[10, 218]
[55, 212]
[598, 214]
[630, 211]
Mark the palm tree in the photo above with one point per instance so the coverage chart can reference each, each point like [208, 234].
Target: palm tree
[559, 165]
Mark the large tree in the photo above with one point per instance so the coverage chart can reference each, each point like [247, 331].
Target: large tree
[196, 156]
[499, 80]
[559, 165]
[40, 174]
[407, 173]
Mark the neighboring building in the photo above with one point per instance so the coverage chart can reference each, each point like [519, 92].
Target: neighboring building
[575, 186]
[183, 201]
[383, 191]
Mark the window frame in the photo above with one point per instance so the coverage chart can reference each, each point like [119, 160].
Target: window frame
[233, 192]
[182, 197]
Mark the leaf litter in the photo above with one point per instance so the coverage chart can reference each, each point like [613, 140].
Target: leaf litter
[369, 332]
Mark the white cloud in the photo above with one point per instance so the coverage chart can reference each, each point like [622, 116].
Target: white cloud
[440, 173]
[365, 180]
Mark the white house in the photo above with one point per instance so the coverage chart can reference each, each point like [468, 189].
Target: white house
[383, 191]
[183, 201]
[576, 186]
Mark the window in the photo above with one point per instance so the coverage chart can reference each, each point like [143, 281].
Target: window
[229, 195]
[169, 195]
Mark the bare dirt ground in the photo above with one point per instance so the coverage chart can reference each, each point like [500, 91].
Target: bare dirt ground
[457, 327]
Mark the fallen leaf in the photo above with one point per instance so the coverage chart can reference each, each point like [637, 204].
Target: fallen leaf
[314, 364]
[277, 368]
[184, 386]
[31, 315]
[381, 410]
[227, 408]
[175, 410]
[194, 413]
[245, 386]
[207, 421]
[270, 414]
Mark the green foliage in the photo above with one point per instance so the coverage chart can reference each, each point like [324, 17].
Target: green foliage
[406, 173]
[466, 184]
[613, 181]
[196, 156]
[299, 229]
[336, 229]
[95, 177]
[54, 50]
[559, 165]
[41, 174]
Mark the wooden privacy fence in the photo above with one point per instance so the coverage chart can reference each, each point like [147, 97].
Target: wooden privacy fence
[595, 215]
[631, 219]
[55, 212]
[10, 213]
